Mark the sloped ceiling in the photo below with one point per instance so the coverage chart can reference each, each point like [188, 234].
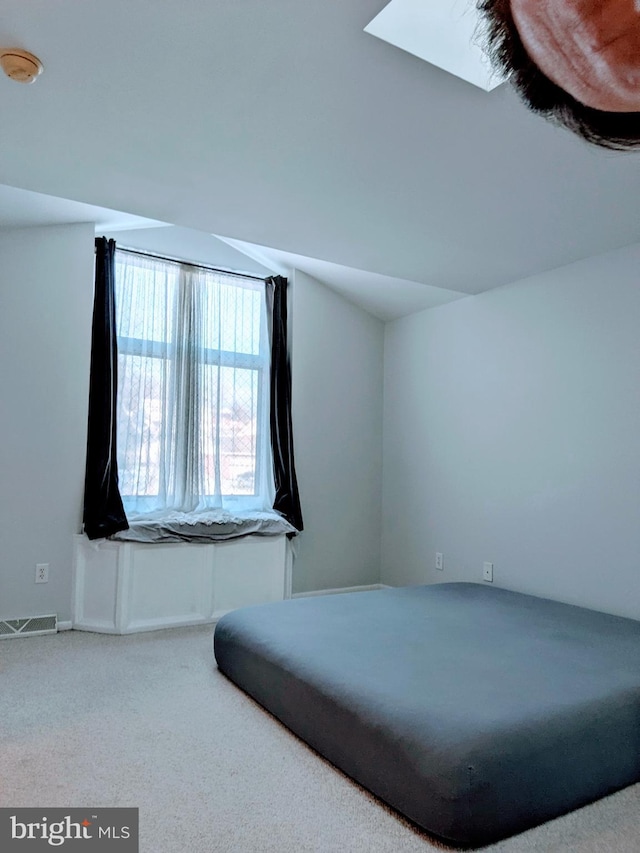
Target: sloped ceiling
[284, 124]
[26, 209]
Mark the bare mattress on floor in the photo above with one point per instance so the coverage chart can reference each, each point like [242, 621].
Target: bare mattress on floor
[474, 711]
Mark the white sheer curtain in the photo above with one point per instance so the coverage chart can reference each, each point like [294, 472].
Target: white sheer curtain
[193, 427]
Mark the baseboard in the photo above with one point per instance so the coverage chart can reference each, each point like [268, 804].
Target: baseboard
[156, 625]
[339, 590]
[65, 626]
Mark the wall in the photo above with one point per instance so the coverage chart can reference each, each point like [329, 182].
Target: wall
[45, 328]
[198, 246]
[512, 434]
[337, 358]
[45, 316]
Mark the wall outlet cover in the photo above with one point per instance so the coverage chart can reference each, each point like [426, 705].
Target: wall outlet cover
[42, 573]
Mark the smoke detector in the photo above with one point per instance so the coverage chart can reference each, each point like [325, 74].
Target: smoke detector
[20, 65]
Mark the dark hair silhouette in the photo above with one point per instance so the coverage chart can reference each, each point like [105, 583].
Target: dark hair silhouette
[618, 131]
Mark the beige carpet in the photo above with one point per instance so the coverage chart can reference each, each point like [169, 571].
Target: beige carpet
[147, 720]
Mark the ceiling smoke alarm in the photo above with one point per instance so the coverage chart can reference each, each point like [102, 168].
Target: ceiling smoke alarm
[20, 65]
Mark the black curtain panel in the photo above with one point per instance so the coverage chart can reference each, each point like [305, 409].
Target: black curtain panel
[287, 500]
[103, 510]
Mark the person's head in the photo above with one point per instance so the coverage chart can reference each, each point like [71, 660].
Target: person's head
[575, 62]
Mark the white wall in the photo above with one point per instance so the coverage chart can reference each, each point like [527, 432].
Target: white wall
[46, 294]
[512, 434]
[337, 358]
[46, 289]
[196, 246]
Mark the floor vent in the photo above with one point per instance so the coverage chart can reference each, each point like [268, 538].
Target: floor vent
[30, 627]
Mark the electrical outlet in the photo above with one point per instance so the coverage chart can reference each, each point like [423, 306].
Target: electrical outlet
[487, 572]
[42, 572]
[439, 562]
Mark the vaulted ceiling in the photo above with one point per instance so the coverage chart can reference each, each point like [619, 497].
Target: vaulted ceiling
[284, 124]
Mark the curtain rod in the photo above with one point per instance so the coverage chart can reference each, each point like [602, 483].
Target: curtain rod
[189, 263]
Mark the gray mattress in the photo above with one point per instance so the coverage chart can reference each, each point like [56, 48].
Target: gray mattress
[474, 711]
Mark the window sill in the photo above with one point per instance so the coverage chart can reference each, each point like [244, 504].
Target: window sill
[204, 527]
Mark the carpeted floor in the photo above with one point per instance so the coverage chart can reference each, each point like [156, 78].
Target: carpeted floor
[148, 721]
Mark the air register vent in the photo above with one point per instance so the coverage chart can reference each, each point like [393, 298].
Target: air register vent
[30, 627]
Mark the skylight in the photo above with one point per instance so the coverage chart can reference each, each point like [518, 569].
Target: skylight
[442, 32]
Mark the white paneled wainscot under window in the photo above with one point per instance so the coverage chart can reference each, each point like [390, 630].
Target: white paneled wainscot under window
[126, 587]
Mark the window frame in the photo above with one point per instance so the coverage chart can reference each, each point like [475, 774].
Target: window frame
[258, 362]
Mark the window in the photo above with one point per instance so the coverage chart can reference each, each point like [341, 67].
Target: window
[193, 428]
